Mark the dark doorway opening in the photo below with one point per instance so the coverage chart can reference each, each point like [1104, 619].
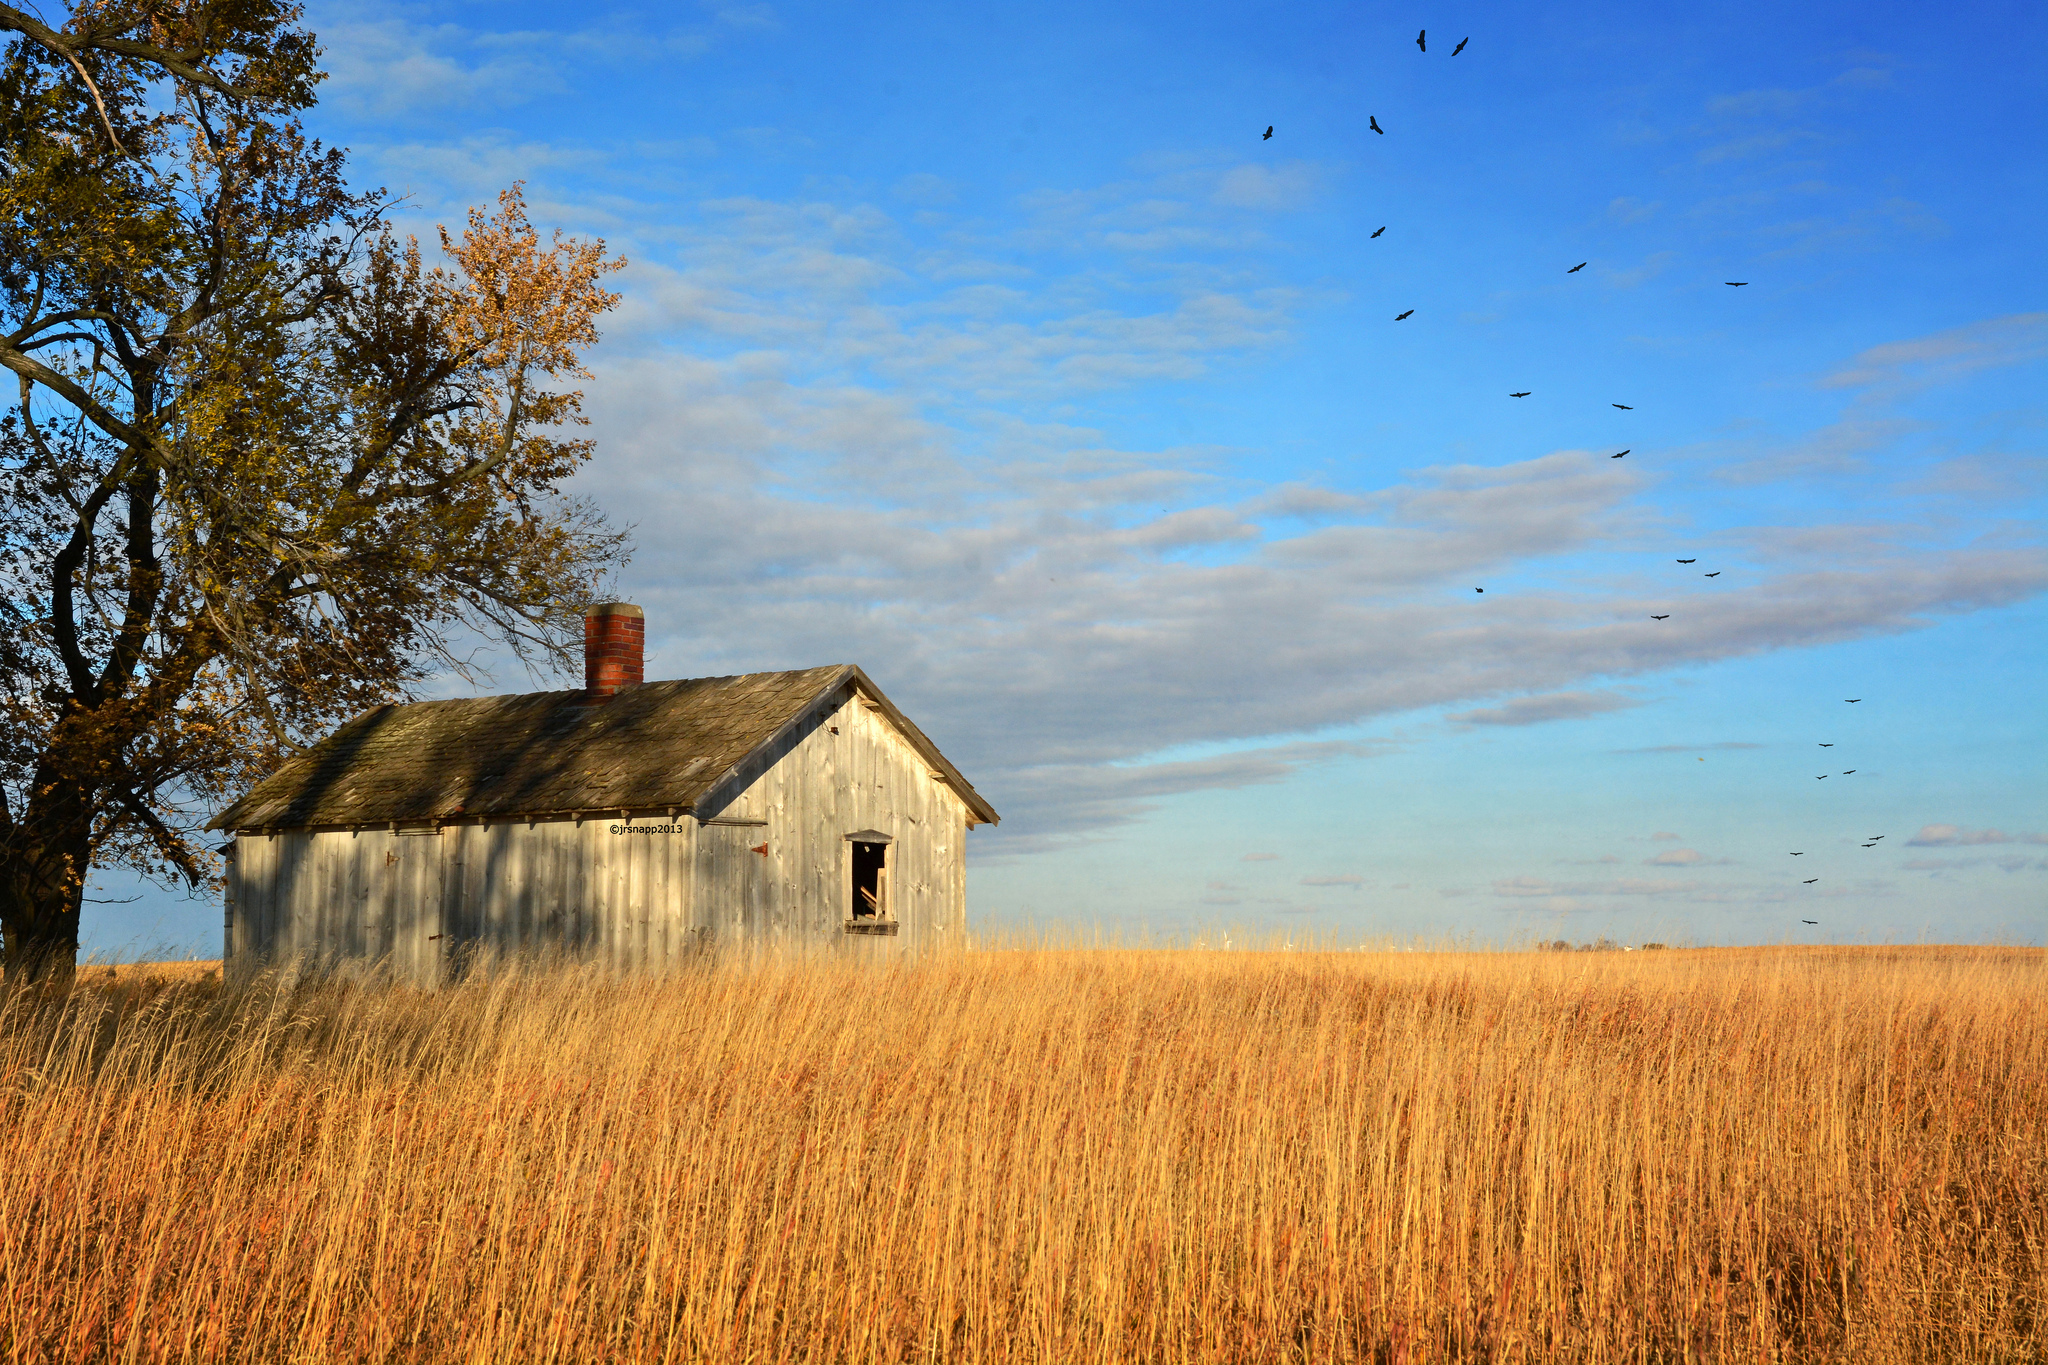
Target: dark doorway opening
[870, 881]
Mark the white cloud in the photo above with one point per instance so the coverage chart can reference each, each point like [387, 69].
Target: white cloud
[1755, 144]
[1628, 211]
[840, 285]
[747, 16]
[1831, 451]
[1552, 706]
[2005, 864]
[1653, 265]
[1307, 501]
[1896, 368]
[1992, 476]
[1953, 836]
[1774, 104]
[1290, 185]
[383, 64]
[444, 178]
[1684, 857]
[925, 189]
[1525, 887]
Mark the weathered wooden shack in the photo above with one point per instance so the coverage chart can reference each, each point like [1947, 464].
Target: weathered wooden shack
[627, 822]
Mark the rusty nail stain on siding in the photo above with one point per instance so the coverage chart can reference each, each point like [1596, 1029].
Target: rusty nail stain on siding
[761, 849]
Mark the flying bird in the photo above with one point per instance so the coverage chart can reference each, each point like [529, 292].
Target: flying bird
[1624, 407]
[1269, 132]
[1875, 837]
[1688, 561]
[1732, 284]
[1715, 574]
[1399, 316]
[1798, 855]
[1576, 269]
[1666, 617]
[1523, 394]
[1852, 700]
[1809, 882]
[1460, 47]
[1376, 234]
[1850, 771]
[1373, 119]
[1424, 46]
[1616, 457]
[1822, 778]
[1870, 845]
[1827, 746]
[1479, 590]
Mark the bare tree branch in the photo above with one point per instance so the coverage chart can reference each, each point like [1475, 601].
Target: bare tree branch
[180, 64]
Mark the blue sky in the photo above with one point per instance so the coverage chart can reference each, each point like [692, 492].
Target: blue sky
[992, 348]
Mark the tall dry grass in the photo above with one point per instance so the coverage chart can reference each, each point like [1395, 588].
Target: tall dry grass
[1043, 1156]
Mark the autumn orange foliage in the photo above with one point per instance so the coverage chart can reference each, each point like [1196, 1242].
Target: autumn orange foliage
[1039, 1155]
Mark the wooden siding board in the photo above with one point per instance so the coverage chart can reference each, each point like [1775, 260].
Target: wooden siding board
[271, 887]
[304, 919]
[682, 863]
[284, 894]
[379, 932]
[367, 939]
[552, 917]
[244, 892]
[277, 894]
[546, 858]
[241, 893]
[599, 878]
[299, 898]
[494, 918]
[629, 863]
[581, 887]
[279, 924]
[522, 867]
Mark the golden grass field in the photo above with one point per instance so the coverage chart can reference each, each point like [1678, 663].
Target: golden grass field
[1042, 1155]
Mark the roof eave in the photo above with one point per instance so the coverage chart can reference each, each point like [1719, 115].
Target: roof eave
[984, 813]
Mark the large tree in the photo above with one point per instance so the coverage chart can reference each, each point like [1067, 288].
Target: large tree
[266, 464]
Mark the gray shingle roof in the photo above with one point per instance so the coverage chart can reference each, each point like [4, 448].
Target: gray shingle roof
[540, 753]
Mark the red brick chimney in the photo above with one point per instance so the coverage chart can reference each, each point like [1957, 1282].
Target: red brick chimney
[614, 648]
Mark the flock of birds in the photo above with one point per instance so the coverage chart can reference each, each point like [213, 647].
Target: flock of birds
[1372, 121]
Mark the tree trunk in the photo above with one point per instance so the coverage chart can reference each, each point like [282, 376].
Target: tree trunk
[42, 885]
